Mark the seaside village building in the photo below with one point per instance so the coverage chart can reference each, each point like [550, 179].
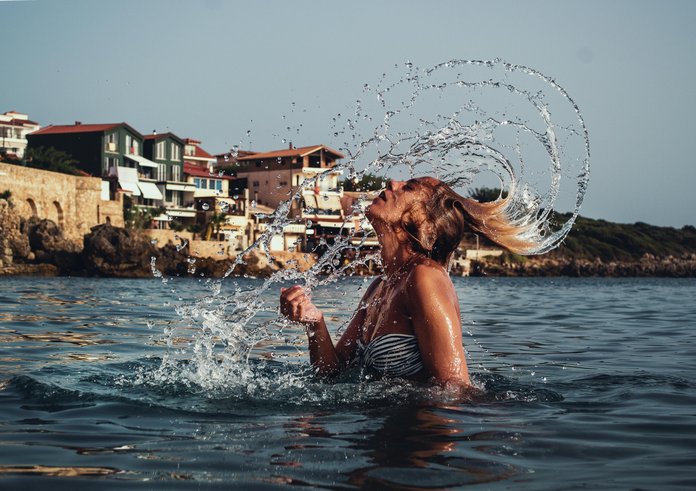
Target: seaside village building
[147, 168]
[275, 176]
[179, 181]
[217, 193]
[14, 128]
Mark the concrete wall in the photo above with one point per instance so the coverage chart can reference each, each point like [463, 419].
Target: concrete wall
[73, 202]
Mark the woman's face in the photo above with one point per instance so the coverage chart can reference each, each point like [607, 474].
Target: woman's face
[391, 204]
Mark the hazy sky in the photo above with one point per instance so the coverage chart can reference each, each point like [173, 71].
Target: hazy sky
[214, 69]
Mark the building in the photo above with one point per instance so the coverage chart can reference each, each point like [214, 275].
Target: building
[166, 151]
[113, 151]
[199, 172]
[276, 175]
[99, 149]
[14, 128]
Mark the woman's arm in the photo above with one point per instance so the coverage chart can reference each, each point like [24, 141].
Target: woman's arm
[297, 306]
[434, 310]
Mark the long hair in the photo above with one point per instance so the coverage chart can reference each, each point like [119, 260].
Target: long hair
[436, 226]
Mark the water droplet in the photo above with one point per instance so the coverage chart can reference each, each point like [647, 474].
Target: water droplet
[205, 206]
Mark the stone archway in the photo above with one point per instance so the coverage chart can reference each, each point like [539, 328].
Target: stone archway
[32, 207]
[60, 220]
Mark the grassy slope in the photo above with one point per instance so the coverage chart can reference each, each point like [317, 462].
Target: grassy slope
[609, 241]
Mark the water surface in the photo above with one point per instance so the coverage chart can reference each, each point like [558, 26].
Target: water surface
[585, 383]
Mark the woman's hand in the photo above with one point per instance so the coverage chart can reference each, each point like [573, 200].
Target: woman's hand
[296, 305]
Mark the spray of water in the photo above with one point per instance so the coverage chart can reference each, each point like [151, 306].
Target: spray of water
[470, 123]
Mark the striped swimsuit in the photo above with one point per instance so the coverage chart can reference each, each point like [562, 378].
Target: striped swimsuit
[391, 355]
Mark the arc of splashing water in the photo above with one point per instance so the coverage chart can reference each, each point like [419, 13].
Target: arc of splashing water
[520, 212]
[246, 304]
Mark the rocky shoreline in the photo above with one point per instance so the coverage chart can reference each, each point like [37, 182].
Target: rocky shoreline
[648, 266]
[37, 247]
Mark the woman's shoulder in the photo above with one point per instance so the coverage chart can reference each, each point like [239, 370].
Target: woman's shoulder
[427, 269]
[427, 276]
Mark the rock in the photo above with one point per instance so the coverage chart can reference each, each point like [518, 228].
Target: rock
[49, 245]
[19, 244]
[45, 235]
[117, 252]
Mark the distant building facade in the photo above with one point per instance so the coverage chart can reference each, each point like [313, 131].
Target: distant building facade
[276, 175]
[14, 128]
[166, 150]
[98, 148]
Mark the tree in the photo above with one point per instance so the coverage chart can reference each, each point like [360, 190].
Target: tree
[216, 221]
[368, 182]
[139, 217]
[485, 194]
[51, 159]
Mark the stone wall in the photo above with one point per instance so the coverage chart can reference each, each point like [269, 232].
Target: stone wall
[72, 202]
[197, 248]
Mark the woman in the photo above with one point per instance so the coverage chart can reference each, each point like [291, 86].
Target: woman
[407, 323]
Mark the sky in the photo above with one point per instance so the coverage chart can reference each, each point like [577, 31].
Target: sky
[239, 73]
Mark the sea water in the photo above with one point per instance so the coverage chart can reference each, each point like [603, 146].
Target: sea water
[583, 383]
[205, 375]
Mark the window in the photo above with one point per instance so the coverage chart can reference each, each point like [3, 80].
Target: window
[132, 146]
[255, 184]
[218, 185]
[162, 172]
[175, 198]
[159, 151]
[110, 144]
[175, 151]
[176, 173]
[110, 163]
[197, 182]
[283, 183]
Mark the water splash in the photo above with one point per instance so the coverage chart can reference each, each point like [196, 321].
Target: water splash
[469, 123]
[477, 123]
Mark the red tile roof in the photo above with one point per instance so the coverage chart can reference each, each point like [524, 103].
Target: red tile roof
[199, 171]
[240, 154]
[292, 152]
[199, 153]
[20, 122]
[81, 128]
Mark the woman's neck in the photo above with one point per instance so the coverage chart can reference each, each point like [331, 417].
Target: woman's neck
[395, 254]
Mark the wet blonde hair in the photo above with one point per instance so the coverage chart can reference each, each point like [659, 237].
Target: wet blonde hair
[437, 225]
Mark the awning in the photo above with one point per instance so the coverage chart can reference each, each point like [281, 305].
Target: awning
[327, 202]
[150, 190]
[181, 187]
[181, 213]
[128, 179]
[322, 223]
[294, 228]
[322, 202]
[142, 161]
